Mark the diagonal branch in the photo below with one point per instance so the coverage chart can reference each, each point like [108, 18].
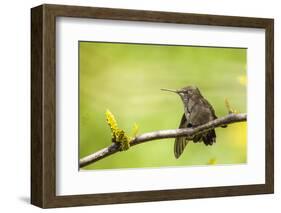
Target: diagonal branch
[161, 134]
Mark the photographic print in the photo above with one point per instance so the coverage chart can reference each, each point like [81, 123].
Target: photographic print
[127, 90]
[126, 105]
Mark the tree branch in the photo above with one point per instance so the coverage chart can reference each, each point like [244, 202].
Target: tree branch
[161, 134]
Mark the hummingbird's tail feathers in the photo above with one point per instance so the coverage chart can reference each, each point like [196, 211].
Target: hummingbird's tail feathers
[179, 145]
[210, 137]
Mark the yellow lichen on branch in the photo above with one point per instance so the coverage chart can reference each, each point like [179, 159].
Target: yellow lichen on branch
[111, 122]
[229, 108]
[135, 130]
[119, 135]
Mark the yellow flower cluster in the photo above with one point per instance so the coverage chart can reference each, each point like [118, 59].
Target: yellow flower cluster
[212, 161]
[242, 79]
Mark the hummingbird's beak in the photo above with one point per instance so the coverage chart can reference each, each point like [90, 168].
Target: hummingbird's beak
[170, 90]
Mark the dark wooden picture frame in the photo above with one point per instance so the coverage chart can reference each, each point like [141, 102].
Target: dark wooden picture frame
[43, 105]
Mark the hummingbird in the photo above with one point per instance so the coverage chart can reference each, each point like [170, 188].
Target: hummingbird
[197, 111]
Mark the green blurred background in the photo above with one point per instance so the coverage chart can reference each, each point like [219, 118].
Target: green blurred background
[126, 79]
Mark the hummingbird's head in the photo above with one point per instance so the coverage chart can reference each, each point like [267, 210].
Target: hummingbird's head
[186, 92]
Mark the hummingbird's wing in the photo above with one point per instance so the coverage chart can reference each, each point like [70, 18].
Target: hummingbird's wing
[200, 115]
[180, 142]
